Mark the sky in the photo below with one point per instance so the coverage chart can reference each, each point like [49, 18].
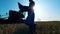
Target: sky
[45, 10]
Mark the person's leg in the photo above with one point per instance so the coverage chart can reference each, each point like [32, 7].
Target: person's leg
[31, 28]
[30, 22]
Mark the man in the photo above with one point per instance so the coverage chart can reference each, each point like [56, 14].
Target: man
[31, 15]
[30, 18]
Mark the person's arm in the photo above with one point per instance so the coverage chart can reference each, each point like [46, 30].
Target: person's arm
[20, 5]
[22, 8]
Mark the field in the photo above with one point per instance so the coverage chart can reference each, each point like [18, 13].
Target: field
[47, 27]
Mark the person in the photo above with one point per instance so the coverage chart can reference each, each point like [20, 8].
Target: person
[30, 18]
[31, 15]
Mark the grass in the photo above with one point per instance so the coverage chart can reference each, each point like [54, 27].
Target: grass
[49, 27]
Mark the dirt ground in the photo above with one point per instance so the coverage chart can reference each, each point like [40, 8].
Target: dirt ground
[49, 27]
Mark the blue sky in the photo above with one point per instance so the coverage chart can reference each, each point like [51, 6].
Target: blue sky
[45, 10]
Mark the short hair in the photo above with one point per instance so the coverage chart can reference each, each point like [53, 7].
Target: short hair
[32, 3]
